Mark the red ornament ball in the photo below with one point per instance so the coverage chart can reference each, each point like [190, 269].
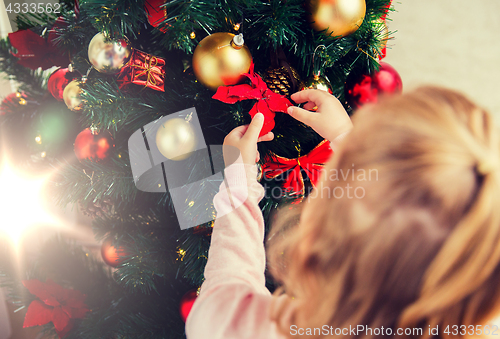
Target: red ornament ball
[365, 89]
[58, 81]
[93, 146]
[111, 255]
[186, 303]
[156, 13]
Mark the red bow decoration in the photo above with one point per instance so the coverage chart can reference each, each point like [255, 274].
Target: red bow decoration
[34, 51]
[145, 70]
[55, 304]
[312, 163]
[268, 102]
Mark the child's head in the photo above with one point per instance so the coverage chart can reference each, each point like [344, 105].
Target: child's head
[413, 237]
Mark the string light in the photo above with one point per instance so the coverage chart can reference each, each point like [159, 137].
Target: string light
[192, 35]
[43, 154]
[38, 139]
[22, 101]
[181, 252]
[236, 26]
[18, 94]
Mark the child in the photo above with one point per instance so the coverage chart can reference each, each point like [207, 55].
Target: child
[417, 255]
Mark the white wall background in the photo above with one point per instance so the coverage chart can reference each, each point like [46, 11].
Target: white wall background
[453, 43]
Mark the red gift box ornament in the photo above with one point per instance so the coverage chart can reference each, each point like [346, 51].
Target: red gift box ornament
[145, 70]
[312, 163]
[56, 304]
[268, 102]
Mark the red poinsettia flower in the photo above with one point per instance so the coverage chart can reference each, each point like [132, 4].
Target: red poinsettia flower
[55, 304]
[268, 102]
[34, 51]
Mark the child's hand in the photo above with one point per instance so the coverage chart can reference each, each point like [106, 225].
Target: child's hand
[329, 121]
[245, 138]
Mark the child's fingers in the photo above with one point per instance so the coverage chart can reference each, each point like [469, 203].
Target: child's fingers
[301, 114]
[309, 105]
[266, 137]
[314, 95]
[253, 131]
[236, 133]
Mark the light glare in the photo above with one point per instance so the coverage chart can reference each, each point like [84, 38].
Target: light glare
[21, 203]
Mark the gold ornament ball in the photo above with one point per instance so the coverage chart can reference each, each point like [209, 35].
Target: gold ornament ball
[72, 95]
[317, 82]
[176, 139]
[220, 61]
[109, 55]
[340, 17]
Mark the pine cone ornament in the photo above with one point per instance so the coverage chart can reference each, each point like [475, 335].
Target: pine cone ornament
[99, 208]
[279, 80]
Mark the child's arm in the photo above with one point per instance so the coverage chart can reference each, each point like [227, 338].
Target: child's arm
[233, 300]
[331, 121]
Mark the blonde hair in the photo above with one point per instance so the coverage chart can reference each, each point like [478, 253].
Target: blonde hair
[421, 247]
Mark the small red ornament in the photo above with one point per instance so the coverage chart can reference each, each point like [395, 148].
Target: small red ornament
[58, 81]
[89, 145]
[145, 70]
[156, 13]
[111, 255]
[368, 88]
[268, 102]
[186, 303]
[56, 304]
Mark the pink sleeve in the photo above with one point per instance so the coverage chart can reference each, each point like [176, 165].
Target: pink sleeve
[233, 300]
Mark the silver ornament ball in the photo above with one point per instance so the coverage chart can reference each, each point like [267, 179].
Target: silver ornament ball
[72, 95]
[109, 55]
[176, 139]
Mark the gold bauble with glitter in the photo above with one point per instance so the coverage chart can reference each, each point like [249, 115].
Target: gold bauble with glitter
[220, 59]
[176, 139]
[339, 17]
[317, 82]
[279, 80]
[72, 95]
[109, 55]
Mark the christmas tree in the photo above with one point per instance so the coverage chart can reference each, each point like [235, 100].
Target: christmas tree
[125, 64]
